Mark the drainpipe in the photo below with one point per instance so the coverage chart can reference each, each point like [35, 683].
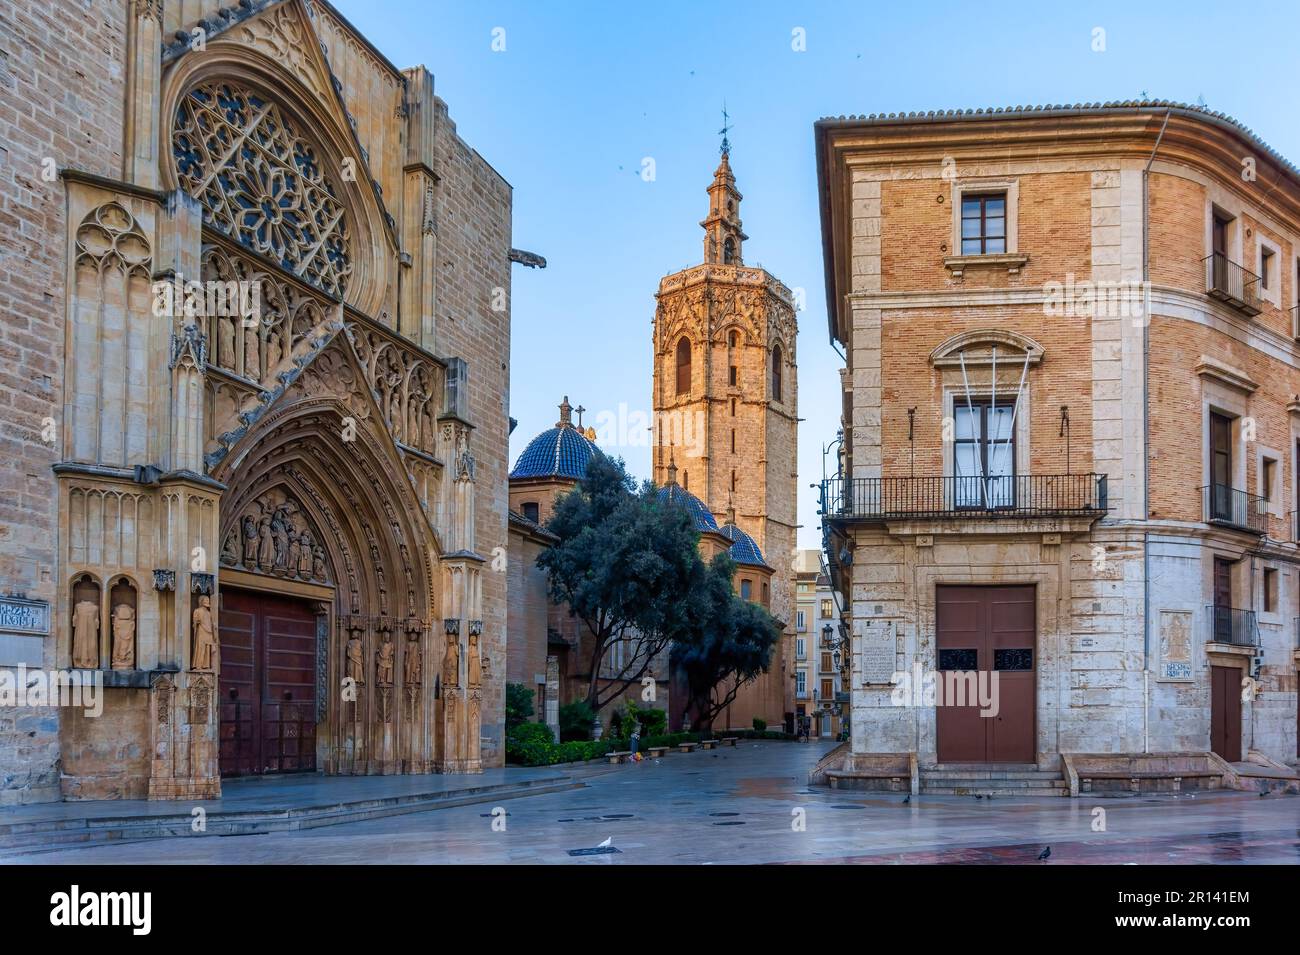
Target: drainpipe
[1146, 440]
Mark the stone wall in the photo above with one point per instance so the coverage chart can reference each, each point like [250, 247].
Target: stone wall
[61, 105]
[472, 321]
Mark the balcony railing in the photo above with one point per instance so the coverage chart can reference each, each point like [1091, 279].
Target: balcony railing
[1229, 282]
[1231, 625]
[1020, 495]
[1221, 504]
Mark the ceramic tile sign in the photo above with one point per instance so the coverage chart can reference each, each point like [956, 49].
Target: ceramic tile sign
[23, 627]
[1175, 645]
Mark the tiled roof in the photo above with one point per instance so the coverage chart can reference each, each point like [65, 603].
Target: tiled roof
[1130, 106]
[529, 525]
[743, 549]
[676, 494]
[560, 452]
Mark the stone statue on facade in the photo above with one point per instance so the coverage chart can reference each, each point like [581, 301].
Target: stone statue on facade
[250, 541]
[356, 667]
[385, 659]
[265, 545]
[123, 637]
[226, 343]
[451, 662]
[475, 666]
[85, 635]
[413, 668]
[205, 639]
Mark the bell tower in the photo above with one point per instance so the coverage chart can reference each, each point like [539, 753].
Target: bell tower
[725, 398]
[723, 235]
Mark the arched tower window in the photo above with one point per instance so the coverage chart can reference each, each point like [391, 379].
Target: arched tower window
[776, 373]
[684, 366]
[733, 371]
[729, 252]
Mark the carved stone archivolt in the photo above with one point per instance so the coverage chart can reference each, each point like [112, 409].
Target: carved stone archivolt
[259, 322]
[261, 181]
[272, 536]
[407, 386]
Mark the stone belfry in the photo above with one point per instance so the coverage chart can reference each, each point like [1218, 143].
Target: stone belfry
[725, 389]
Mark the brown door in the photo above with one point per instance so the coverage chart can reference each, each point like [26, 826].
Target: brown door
[987, 638]
[1225, 712]
[268, 685]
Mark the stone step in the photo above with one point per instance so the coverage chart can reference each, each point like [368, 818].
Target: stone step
[987, 774]
[980, 785]
[994, 791]
[36, 837]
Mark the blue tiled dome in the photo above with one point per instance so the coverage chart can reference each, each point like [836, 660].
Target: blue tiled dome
[743, 549]
[563, 452]
[675, 494]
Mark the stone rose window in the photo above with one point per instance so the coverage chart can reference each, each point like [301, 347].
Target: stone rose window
[261, 183]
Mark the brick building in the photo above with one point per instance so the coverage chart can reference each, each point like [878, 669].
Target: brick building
[255, 295]
[1071, 439]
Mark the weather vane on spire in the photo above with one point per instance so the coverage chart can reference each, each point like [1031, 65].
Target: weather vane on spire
[726, 128]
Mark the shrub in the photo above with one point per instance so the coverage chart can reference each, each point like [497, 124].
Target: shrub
[519, 705]
[759, 725]
[530, 744]
[575, 721]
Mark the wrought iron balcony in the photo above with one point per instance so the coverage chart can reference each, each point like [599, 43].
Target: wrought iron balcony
[1221, 504]
[1019, 495]
[1233, 626]
[1229, 282]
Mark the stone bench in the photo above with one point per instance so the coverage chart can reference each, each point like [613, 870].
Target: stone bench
[730, 740]
[708, 743]
[657, 751]
[621, 756]
[686, 747]
[1135, 778]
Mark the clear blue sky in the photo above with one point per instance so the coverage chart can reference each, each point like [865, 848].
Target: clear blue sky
[585, 91]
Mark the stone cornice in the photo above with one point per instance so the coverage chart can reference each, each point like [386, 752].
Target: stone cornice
[1216, 370]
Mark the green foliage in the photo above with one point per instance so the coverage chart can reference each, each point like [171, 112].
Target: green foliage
[625, 565]
[759, 725]
[519, 705]
[575, 721]
[530, 744]
[728, 642]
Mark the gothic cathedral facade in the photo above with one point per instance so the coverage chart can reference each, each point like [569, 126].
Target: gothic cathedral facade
[261, 314]
[726, 413]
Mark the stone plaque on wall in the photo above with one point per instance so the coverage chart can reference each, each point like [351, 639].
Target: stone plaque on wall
[1175, 645]
[878, 652]
[24, 616]
[23, 626]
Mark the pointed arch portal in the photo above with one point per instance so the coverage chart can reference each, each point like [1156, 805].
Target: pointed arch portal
[328, 592]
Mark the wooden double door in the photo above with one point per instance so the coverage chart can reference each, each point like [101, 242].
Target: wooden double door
[1225, 712]
[986, 631]
[268, 684]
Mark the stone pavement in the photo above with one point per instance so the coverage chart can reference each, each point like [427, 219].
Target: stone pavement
[741, 806]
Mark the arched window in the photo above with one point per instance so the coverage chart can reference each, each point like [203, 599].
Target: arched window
[729, 252]
[733, 373]
[684, 366]
[776, 373]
